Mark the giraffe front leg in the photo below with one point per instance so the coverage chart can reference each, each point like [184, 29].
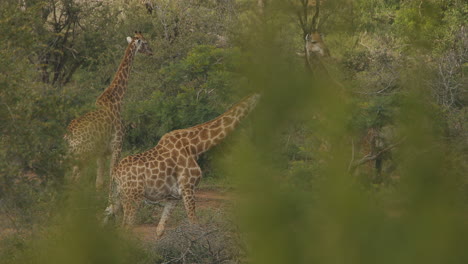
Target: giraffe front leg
[164, 217]
[116, 146]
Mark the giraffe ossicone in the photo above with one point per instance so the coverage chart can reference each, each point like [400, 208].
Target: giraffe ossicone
[98, 134]
[170, 171]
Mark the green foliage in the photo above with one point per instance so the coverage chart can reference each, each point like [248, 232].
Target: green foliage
[418, 24]
[32, 118]
[190, 92]
[338, 223]
[376, 113]
[73, 235]
[304, 195]
[360, 16]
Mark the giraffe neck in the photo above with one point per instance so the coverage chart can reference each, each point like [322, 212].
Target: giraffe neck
[211, 133]
[113, 95]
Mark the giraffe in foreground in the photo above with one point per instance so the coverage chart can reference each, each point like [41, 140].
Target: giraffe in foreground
[98, 134]
[169, 171]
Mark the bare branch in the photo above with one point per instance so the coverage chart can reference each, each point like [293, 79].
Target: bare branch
[191, 243]
[371, 156]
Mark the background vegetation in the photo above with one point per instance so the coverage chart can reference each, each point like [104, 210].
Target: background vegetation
[372, 169]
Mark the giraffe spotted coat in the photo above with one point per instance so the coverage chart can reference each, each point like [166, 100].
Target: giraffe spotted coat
[169, 171]
[98, 134]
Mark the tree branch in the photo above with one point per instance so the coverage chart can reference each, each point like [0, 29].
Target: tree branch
[370, 157]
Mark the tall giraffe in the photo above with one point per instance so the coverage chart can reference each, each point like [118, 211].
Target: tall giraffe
[169, 171]
[315, 49]
[314, 46]
[99, 133]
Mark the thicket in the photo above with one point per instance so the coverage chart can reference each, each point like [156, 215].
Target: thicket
[372, 169]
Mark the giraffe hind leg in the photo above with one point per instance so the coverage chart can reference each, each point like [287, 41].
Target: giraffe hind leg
[164, 217]
[189, 203]
[187, 183]
[78, 169]
[130, 207]
[111, 211]
[76, 173]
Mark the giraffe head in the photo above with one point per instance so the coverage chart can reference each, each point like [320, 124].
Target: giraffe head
[141, 43]
[314, 45]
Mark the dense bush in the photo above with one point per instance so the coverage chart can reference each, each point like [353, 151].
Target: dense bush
[189, 92]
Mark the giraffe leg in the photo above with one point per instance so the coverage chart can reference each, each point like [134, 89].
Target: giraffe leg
[111, 211]
[164, 217]
[189, 202]
[187, 182]
[101, 166]
[130, 207]
[116, 146]
[76, 173]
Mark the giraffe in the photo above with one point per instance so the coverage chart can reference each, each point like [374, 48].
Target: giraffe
[314, 45]
[169, 171]
[98, 133]
[315, 52]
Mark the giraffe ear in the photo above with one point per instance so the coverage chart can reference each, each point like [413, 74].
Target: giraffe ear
[129, 40]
